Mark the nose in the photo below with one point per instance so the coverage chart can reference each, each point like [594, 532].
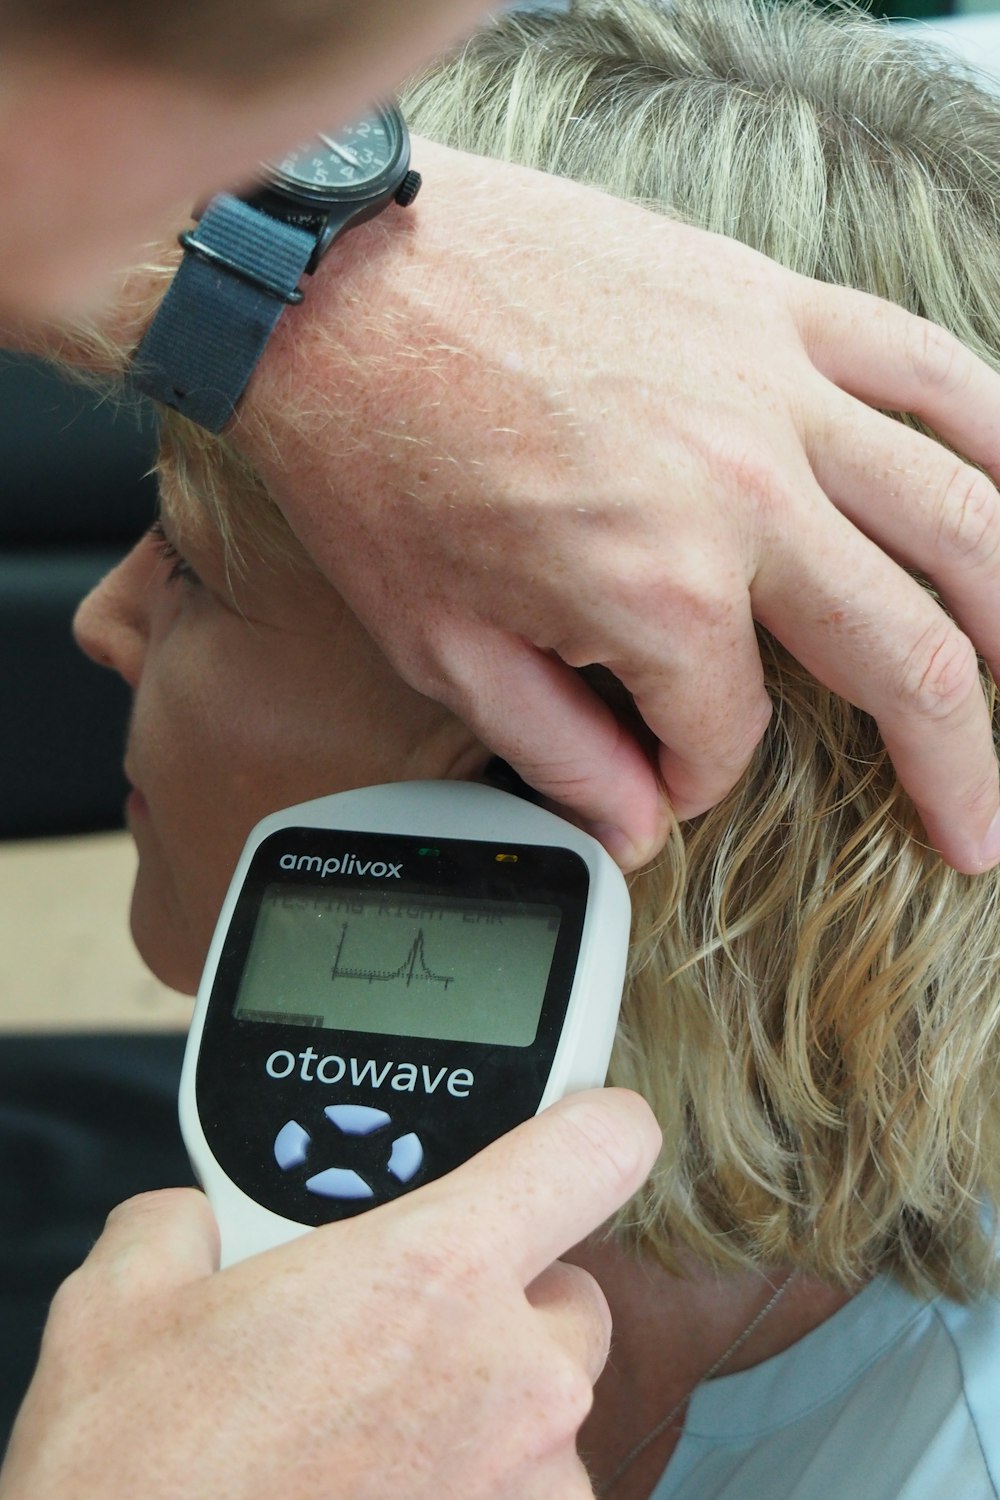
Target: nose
[111, 626]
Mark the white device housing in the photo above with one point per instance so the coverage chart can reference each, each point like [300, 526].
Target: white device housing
[450, 810]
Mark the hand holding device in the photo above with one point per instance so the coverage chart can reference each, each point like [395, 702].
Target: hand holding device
[429, 1347]
[399, 975]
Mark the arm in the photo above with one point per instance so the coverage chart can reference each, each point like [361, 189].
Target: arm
[525, 427]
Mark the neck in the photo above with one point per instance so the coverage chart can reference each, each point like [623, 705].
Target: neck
[669, 1331]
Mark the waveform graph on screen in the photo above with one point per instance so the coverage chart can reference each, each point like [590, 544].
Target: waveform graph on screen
[413, 969]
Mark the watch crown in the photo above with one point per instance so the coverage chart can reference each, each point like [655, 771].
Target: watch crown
[408, 189]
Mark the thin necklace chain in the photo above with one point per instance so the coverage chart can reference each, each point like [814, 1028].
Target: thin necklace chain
[713, 1369]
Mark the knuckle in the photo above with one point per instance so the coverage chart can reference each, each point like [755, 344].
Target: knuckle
[77, 1321]
[981, 798]
[555, 1405]
[701, 606]
[937, 358]
[941, 673]
[67, 1306]
[750, 472]
[665, 619]
[743, 734]
[446, 664]
[424, 661]
[579, 653]
[759, 719]
[970, 515]
[137, 1209]
[569, 1398]
[571, 642]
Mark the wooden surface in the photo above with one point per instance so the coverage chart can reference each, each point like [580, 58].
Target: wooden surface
[66, 958]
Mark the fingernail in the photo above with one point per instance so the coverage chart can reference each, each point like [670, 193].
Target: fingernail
[621, 1125]
[618, 844]
[989, 850]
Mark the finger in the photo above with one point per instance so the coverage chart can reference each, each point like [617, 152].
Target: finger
[699, 686]
[534, 1193]
[886, 646]
[577, 1314]
[564, 740]
[892, 359]
[154, 1242]
[962, 823]
[924, 506]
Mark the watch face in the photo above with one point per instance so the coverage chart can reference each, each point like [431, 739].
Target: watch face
[351, 158]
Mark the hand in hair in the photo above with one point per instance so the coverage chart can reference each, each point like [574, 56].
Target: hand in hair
[539, 428]
[428, 1348]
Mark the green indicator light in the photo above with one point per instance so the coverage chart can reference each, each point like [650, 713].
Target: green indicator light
[427, 850]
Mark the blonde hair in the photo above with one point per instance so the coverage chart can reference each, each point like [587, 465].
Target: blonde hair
[813, 1000]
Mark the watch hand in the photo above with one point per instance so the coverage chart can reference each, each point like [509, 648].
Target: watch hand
[341, 151]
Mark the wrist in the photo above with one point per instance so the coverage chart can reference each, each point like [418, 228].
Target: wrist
[377, 318]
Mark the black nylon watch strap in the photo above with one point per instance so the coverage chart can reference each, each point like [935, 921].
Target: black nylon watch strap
[240, 269]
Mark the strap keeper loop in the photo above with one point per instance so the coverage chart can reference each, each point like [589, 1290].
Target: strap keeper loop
[189, 241]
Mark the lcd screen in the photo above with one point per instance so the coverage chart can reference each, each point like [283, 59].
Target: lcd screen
[404, 964]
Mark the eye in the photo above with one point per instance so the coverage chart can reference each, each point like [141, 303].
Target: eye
[177, 564]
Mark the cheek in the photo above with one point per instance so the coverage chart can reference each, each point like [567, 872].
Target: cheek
[221, 739]
[202, 769]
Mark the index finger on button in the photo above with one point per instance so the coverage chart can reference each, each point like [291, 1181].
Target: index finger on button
[551, 1181]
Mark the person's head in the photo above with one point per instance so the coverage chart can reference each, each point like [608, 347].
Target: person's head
[116, 116]
[813, 1001]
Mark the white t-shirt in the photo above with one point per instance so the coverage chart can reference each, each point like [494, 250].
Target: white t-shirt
[890, 1399]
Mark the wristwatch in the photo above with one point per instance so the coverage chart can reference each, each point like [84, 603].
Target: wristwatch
[246, 256]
